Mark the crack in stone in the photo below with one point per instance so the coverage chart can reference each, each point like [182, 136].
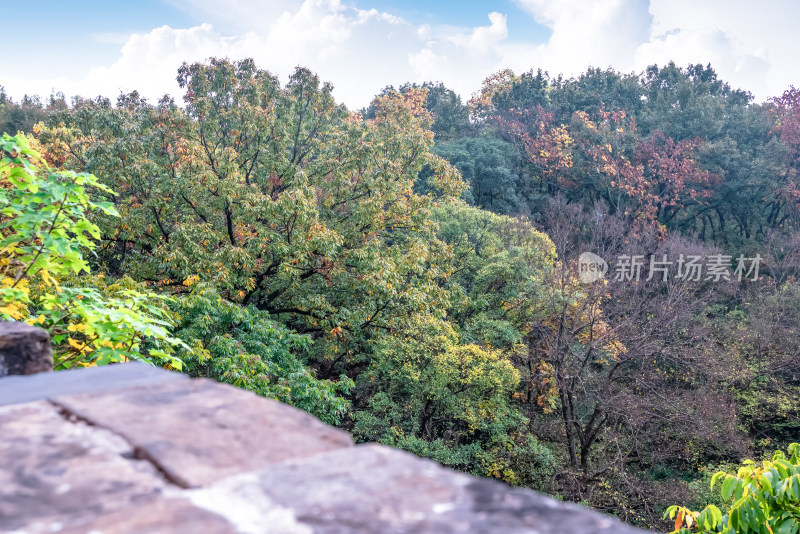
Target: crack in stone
[136, 452]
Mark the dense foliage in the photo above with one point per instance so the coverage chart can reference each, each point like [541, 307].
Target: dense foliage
[45, 229]
[764, 498]
[412, 272]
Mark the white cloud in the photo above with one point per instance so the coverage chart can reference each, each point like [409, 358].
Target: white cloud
[459, 57]
[426, 64]
[362, 50]
[719, 48]
[602, 33]
[335, 41]
[752, 47]
[149, 62]
[482, 38]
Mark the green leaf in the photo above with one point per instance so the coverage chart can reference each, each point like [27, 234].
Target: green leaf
[729, 486]
[787, 526]
[765, 484]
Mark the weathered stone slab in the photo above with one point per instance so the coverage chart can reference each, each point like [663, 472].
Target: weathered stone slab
[53, 468]
[199, 431]
[165, 516]
[20, 389]
[118, 461]
[248, 508]
[371, 488]
[24, 349]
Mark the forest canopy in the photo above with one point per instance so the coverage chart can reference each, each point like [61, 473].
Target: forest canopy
[412, 271]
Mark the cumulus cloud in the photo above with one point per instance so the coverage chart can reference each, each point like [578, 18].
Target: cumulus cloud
[708, 45]
[752, 47]
[335, 41]
[149, 62]
[460, 57]
[603, 33]
[483, 38]
[362, 50]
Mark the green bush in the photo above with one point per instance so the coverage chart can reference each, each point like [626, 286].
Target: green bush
[242, 346]
[764, 499]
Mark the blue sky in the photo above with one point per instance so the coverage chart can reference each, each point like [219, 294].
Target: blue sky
[73, 36]
[93, 47]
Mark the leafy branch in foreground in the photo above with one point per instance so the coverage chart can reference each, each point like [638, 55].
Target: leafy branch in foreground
[45, 279]
[765, 499]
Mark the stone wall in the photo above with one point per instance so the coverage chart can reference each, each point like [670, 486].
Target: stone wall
[134, 449]
[24, 349]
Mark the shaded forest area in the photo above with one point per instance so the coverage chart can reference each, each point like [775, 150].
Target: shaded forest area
[410, 272]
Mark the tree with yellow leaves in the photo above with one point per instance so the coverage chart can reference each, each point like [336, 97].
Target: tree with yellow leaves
[46, 279]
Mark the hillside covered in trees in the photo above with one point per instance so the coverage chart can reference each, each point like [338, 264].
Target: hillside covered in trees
[412, 272]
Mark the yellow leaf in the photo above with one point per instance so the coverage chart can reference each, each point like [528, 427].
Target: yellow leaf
[15, 310]
[75, 344]
[49, 280]
[38, 320]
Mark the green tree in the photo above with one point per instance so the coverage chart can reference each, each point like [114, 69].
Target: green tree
[276, 196]
[597, 89]
[488, 164]
[450, 115]
[434, 395]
